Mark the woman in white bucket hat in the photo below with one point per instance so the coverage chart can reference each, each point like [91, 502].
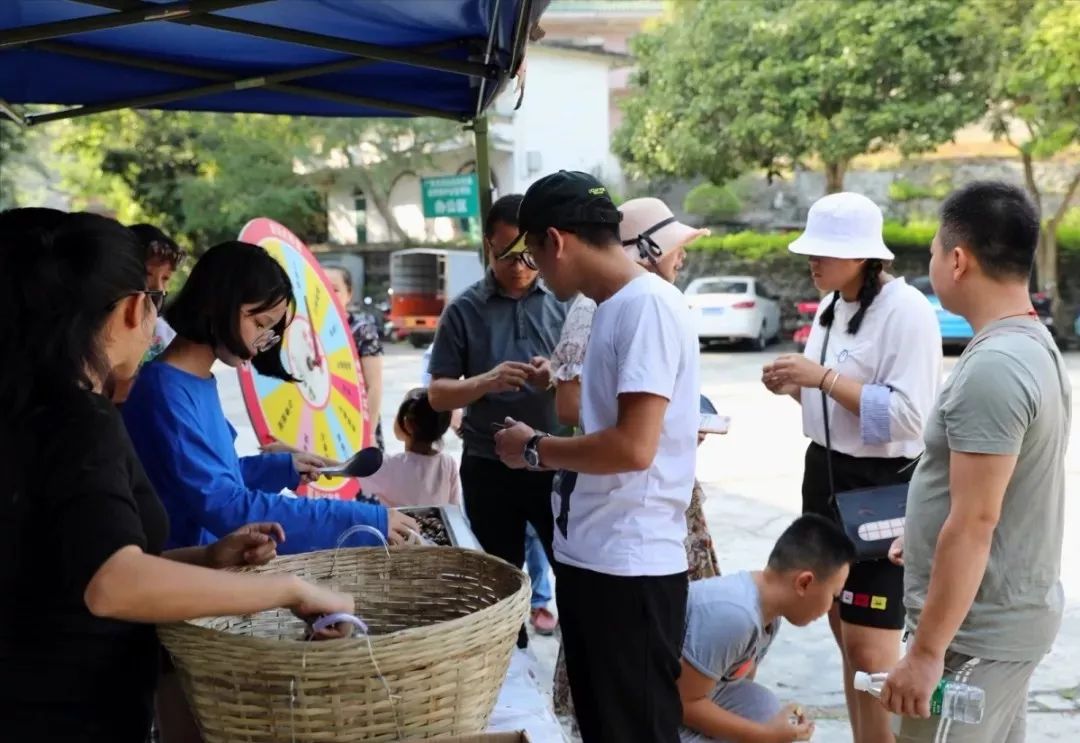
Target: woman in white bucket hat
[652, 236]
[873, 362]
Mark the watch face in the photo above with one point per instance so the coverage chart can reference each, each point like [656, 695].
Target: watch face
[531, 454]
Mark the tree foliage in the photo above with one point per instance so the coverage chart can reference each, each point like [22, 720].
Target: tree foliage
[202, 176]
[712, 203]
[198, 176]
[727, 85]
[1036, 99]
[372, 154]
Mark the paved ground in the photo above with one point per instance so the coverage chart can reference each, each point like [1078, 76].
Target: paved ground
[752, 480]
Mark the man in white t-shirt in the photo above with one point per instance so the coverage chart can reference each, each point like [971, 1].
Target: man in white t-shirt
[624, 485]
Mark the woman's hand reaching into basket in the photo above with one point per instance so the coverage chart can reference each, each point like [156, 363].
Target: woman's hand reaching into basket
[313, 601]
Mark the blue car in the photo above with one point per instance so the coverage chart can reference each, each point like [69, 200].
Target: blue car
[955, 330]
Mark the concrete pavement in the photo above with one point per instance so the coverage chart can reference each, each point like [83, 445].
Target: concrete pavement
[752, 479]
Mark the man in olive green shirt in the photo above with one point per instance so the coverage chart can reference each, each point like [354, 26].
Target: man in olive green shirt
[982, 546]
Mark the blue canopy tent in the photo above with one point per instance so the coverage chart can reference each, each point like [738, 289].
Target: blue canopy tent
[349, 58]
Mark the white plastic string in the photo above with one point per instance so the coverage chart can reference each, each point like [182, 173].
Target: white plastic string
[356, 530]
[393, 698]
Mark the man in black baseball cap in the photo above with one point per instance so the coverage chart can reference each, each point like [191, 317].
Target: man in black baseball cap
[624, 485]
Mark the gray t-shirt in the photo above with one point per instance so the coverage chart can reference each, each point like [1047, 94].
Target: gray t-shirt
[726, 637]
[1009, 394]
[482, 328]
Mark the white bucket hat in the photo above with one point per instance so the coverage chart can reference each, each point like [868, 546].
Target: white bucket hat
[649, 230]
[843, 225]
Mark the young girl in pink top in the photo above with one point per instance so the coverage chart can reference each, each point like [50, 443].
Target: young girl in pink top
[421, 475]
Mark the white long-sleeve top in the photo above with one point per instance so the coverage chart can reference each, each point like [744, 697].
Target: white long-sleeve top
[896, 355]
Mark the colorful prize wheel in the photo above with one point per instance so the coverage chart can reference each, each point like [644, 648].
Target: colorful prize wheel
[324, 412]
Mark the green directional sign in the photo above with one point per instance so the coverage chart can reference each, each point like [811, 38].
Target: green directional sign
[450, 196]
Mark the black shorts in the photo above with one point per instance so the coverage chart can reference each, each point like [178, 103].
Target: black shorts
[874, 593]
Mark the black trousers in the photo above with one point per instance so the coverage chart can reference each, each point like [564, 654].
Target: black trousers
[499, 501]
[623, 638]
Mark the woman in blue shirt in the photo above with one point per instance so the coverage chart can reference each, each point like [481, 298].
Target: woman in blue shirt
[234, 308]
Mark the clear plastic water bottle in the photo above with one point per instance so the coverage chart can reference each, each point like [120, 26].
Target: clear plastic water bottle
[951, 700]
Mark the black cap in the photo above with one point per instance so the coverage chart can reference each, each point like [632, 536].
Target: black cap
[565, 199]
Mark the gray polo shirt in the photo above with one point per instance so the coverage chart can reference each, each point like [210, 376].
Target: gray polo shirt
[1008, 395]
[481, 329]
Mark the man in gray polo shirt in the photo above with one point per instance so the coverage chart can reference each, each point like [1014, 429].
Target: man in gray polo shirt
[985, 510]
[491, 357]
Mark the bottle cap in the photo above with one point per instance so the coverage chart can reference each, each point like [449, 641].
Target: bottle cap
[863, 681]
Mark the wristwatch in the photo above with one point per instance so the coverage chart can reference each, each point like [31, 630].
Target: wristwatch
[531, 455]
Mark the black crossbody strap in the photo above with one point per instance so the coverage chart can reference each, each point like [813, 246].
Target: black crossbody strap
[825, 412]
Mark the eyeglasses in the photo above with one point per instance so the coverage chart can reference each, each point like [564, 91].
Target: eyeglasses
[525, 258]
[156, 297]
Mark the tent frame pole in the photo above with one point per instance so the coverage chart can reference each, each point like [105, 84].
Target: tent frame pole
[10, 112]
[483, 172]
[15, 37]
[201, 72]
[319, 41]
[273, 81]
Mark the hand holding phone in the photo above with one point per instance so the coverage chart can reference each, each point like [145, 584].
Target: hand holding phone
[713, 423]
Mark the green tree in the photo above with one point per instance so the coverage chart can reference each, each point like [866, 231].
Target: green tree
[1036, 101]
[12, 144]
[198, 176]
[372, 154]
[712, 203]
[727, 85]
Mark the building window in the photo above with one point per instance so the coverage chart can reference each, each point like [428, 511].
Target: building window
[360, 216]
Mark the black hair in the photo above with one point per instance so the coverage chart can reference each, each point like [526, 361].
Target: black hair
[504, 210]
[871, 287]
[227, 277]
[598, 235]
[426, 425]
[346, 275]
[157, 246]
[997, 222]
[61, 275]
[31, 219]
[812, 543]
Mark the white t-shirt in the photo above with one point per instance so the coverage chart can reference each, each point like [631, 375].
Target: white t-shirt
[898, 347]
[634, 523]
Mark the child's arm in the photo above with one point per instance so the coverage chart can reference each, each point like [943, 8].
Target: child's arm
[702, 714]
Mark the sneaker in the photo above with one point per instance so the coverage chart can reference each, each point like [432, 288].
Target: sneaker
[543, 621]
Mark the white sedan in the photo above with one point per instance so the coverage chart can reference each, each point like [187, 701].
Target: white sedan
[731, 309]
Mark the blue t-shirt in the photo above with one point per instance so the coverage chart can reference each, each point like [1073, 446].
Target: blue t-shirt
[187, 448]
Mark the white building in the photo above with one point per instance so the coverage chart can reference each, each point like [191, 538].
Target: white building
[572, 82]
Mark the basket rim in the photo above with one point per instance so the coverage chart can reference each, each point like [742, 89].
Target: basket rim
[190, 628]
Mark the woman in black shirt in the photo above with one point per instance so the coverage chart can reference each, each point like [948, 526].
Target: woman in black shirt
[82, 571]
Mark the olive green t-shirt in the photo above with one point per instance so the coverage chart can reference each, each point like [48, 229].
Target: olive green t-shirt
[1009, 395]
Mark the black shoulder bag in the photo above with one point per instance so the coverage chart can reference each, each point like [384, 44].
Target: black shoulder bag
[871, 517]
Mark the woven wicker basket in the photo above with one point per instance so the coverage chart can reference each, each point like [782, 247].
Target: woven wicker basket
[443, 625]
